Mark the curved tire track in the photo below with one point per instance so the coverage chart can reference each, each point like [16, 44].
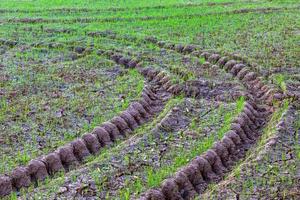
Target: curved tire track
[212, 165]
[74, 153]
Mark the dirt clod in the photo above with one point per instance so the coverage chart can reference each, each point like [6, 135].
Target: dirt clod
[153, 194]
[185, 187]
[37, 170]
[206, 169]
[103, 136]
[79, 50]
[20, 178]
[80, 149]
[189, 49]
[237, 68]
[241, 74]
[170, 189]
[92, 143]
[229, 65]
[129, 120]
[215, 161]
[214, 58]
[122, 125]
[192, 171]
[113, 131]
[249, 76]
[222, 61]
[179, 48]
[5, 186]
[205, 55]
[138, 107]
[238, 129]
[67, 156]
[53, 163]
[223, 153]
[136, 115]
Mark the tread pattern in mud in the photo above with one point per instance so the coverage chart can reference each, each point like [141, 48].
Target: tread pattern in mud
[192, 179]
[119, 127]
[143, 18]
[276, 155]
[213, 164]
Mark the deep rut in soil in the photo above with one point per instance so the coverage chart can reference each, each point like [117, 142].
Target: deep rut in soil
[193, 179]
[73, 154]
[276, 155]
[211, 166]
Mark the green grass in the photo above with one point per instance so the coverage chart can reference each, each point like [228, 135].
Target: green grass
[108, 153]
[279, 80]
[43, 5]
[47, 99]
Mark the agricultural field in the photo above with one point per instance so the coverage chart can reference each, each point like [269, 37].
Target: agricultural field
[150, 100]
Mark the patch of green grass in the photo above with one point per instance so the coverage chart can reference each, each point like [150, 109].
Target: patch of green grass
[202, 60]
[279, 79]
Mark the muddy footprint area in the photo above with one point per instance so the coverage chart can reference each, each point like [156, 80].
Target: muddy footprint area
[272, 173]
[150, 150]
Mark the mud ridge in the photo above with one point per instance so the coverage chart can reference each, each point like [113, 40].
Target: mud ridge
[211, 166]
[192, 179]
[192, 88]
[236, 65]
[73, 154]
[247, 76]
[176, 119]
[220, 91]
[265, 94]
[284, 139]
[160, 78]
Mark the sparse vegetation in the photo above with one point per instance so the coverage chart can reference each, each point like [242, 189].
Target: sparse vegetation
[67, 67]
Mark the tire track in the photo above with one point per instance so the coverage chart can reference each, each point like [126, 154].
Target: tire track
[192, 88]
[73, 154]
[283, 141]
[212, 165]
